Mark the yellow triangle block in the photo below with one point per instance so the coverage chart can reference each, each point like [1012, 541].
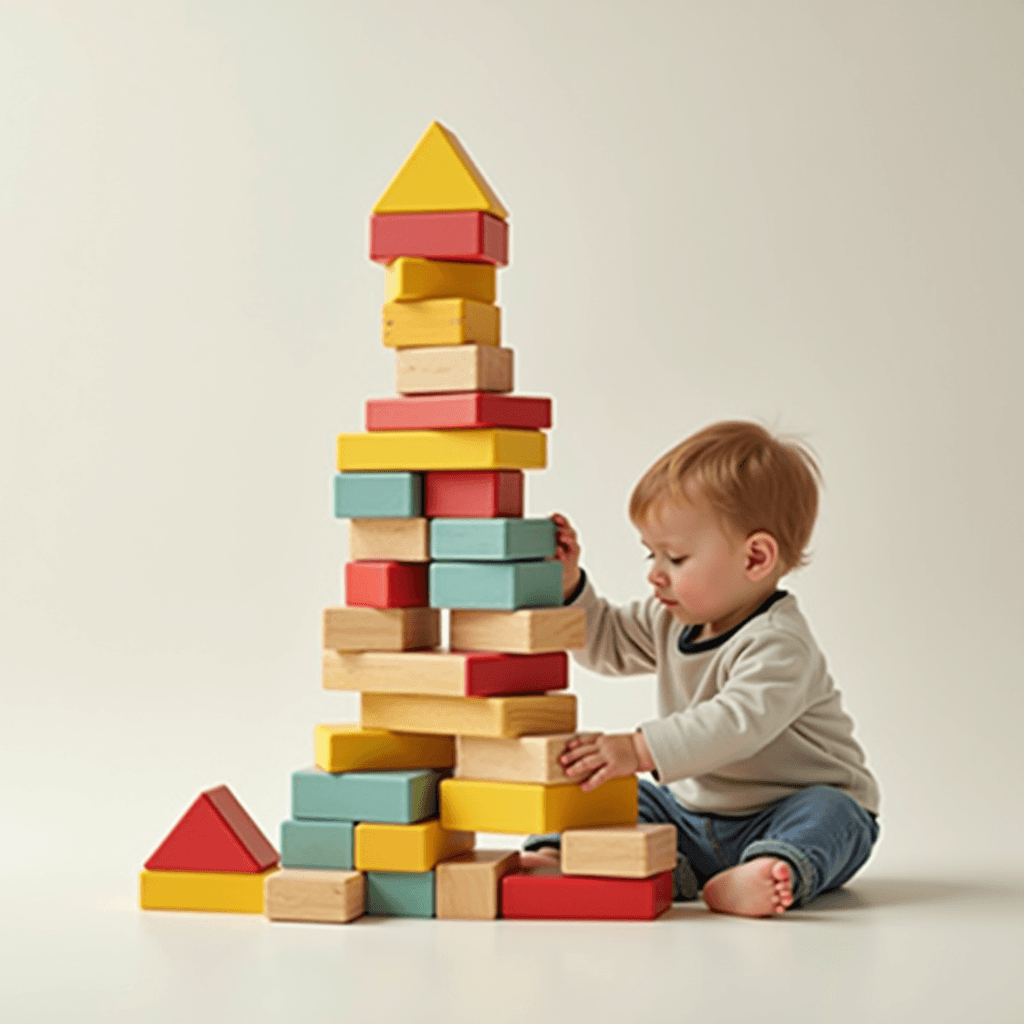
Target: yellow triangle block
[439, 175]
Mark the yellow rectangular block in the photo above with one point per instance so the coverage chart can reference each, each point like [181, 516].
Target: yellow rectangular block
[438, 322]
[418, 847]
[523, 759]
[469, 887]
[405, 539]
[410, 279]
[224, 891]
[381, 629]
[628, 851]
[495, 448]
[531, 807]
[470, 716]
[351, 748]
[334, 897]
[456, 368]
[527, 631]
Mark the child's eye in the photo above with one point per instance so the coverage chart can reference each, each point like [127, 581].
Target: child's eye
[678, 561]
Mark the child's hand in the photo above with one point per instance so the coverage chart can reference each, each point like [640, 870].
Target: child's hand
[567, 551]
[597, 757]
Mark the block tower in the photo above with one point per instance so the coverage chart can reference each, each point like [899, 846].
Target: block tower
[463, 739]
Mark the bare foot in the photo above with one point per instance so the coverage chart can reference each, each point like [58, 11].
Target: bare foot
[761, 887]
[545, 857]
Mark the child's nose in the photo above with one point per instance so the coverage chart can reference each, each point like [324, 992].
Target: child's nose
[655, 577]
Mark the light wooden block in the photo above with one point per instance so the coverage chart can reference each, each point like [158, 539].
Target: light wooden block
[409, 279]
[418, 847]
[457, 368]
[364, 495]
[329, 897]
[524, 631]
[469, 887]
[495, 585]
[440, 322]
[631, 851]
[389, 540]
[381, 629]
[522, 808]
[498, 539]
[523, 759]
[349, 747]
[221, 891]
[495, 448]
[470, 716]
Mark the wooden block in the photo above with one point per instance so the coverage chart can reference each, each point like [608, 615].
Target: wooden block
[492, 540]
[464, 409]
[629, 851]
[530, 629]
[523, 759]
[400, 893]
[214, 834]
[317, 844]
[480, 494]
[397, 796]
[548, 894]
[458, 368]
[386, 584]
[221, 891]
[494, 448]
[433, 323]
[522, 807]
[439, 175]
[350, 747]
[411, 280]
[329, 897]
[381, 629]
[407, 847]
[444, 672]
[389, 540]
[366, 495]
[469, 235]
[500, 585]
[469, 887]
[470, 716]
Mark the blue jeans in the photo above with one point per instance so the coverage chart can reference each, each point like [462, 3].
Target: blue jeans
[824, 835]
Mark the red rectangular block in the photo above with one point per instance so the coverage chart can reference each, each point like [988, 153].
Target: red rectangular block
[470, 236]
[547, 893]
[473, 494]
[494, 675]
[463, 410]
[386, 584]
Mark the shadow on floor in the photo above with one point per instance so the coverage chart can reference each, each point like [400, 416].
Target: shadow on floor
[867, 893]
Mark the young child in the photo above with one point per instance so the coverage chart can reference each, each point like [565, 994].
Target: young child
[758, 769]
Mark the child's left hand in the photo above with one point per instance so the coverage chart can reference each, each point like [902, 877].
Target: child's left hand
[596, 757]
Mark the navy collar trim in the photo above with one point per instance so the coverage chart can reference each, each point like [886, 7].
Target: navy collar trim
[688, 645]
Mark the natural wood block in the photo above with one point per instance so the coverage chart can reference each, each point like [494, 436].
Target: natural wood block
[495, 585]
[464, 409]
[349, 747]
[469, 235]
[500, 539]
[548, 894]
[381, 629]
[222, 891]
[445, 672]
[330, 897]
[415, 847]
[629, 851]
[440, 322]
[523, 631]
[386, 584]
[470, 716]
[408, 279]
[522, 759]
[457, 368]
[362, 495]
[519, 807]
[469, 887]
[463, 494]
[494, 448]
[389, 540]
[399, 796]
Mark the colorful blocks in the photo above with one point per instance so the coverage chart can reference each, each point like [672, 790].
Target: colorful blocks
[440, 322]
[408, 279]
[386, 584]
[476, 367]
[499, 539]
[480, 494]
[317, 844]
[328, 897]
[522, 759]
[495, 448]
[399, 796]
[469, 887]
[505, 586]
[368, 495]
[524, 631]
[545, 893]
[389, 540]
[468, 235]
[471, 716]
[400, 894]
[348, 747]
[220, 891]
[415, 848]
[630, 851]
[381, 629]
[530, 807]
[462, 410]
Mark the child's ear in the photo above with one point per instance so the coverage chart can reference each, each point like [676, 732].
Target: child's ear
[762, 551]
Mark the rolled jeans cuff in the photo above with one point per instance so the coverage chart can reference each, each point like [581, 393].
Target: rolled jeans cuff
[797, 859]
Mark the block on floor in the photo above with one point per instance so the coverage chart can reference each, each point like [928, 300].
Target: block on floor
[438, 323]
[367, 495]
[328, 897]
[524, 631]
[492, 540]
[317, 844]
[468, 887]
[523, 759]
[389, 540]
[218, 891]
[454, 368]
[400, 894]
[473, 493]
[547, 894]
[501, 586]
[415, 848]
[399, 796]
[627, 851]
[492, 448]
[469, 235]
[381, 629]
[350, 747]
[384, 584]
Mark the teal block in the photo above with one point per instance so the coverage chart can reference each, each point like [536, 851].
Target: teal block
[378, 495]
[399, 797]
[400, 893]
[499, 540]
[317, 844]
[501, 585]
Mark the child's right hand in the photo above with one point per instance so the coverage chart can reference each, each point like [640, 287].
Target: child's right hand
[567, 551]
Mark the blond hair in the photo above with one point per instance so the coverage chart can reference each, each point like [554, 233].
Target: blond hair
[751, 479]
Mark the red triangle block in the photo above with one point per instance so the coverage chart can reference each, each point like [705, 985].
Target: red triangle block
[214, 834]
